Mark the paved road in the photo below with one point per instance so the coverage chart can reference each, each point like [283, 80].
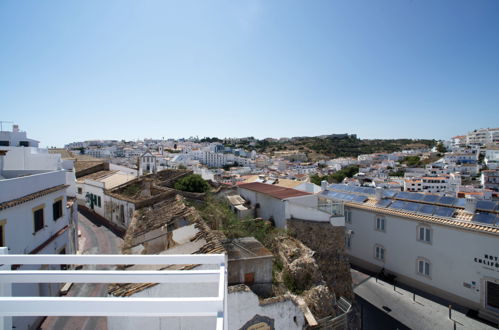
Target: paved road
[95, 239]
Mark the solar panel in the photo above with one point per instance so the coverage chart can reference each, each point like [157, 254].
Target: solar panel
[461, 202]
[447, 200]
[427, 209]
[360, 199]
[431, 198]
[443, 211]
[357, 189]
[411, 206]
[487, 218]
[486, 205]
[368, 190]
[404, 195]
[397, 205]
[415, 196]
[383, 203]
[389, 193]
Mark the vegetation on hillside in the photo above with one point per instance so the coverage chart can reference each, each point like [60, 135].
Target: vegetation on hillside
[218, 215]
[336, 177]
[332, 147]
[192, 183]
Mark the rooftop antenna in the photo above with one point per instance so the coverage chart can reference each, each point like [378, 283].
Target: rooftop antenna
[2, 122]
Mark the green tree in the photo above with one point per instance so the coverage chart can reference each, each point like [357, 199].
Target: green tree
[441, 148]
[192, 183]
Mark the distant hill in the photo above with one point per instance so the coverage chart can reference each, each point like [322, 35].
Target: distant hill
[332, 146]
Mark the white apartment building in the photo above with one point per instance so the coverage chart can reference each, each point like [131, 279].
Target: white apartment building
[492, 158]
[37, 214]
[434, 184]
[490, 179]
[444, 246]
[483, 136]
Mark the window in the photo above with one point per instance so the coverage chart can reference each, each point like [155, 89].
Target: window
[57, 209]
[348, 240]
[423, 267]
[80, 191]
[379, 252]
[348, 216]
[98, 201]
[4, 143]
[380, 223]
[492, 295]
[424, 234]
[2, 232]
[38, 218]
[23, 143]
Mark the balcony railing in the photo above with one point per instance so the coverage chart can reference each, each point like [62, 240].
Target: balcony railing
[208, 306]
[335, 209]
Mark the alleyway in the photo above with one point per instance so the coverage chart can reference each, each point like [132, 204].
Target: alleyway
[95, 239]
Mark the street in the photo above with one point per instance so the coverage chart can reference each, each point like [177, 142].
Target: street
[95, 239]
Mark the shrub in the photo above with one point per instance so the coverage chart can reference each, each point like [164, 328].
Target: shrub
[192, 183]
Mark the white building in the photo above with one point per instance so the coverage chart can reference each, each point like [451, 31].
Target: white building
[483, 136]
[434, 184]
[37, 214]
[147, 163]
[490, 179]
[276, 203]
[444, 246]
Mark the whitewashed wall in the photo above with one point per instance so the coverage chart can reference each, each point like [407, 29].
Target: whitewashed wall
[451, 253]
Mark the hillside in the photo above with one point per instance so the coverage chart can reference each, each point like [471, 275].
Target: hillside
[320, 147]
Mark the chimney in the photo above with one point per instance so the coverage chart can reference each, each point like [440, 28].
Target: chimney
[470, 205]
[324, 185]
[2, 159]
[378, 192]
[146, 189]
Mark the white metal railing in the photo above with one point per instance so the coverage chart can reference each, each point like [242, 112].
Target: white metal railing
[335, 209]
[215, 306]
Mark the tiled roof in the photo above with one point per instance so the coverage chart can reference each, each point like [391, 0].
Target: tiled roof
[273, 190]
[96, 175]
[30, 197]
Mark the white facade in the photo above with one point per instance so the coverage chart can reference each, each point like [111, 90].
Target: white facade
[37, 214]
[447, 261]
[147, 163]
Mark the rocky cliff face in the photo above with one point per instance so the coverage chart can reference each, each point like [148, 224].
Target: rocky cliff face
[302, 276]
[328, 244]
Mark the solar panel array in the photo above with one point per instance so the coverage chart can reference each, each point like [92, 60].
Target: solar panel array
[443, 206]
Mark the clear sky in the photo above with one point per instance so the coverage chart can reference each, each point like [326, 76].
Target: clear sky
[76, 70]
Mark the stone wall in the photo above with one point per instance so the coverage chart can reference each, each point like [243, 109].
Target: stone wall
[328, 242]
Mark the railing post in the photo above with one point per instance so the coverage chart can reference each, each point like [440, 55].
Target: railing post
[5, 291]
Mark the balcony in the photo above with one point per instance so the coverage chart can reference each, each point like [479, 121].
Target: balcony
[207, 306]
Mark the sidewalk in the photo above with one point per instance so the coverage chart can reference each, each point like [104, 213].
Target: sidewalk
[419, 314]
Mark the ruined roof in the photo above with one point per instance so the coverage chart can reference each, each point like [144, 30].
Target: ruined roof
[158, 215]
[204, 241]
[273, 190]
[245, 248]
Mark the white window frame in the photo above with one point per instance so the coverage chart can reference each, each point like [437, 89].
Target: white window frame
[426, 268]
[379, 252]
[380, 223]
[427, 234]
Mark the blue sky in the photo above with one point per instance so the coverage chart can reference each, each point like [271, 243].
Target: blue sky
[75, 70]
